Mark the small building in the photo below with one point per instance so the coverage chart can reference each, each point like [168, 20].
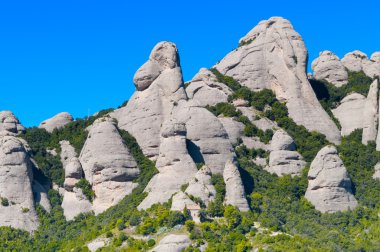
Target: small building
[194, 212]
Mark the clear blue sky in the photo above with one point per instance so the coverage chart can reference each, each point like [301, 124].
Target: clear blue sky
[81, 55]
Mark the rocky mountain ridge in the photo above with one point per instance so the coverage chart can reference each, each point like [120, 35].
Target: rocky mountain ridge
[251, 107]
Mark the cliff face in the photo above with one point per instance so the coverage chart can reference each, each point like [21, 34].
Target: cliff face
[273, 56]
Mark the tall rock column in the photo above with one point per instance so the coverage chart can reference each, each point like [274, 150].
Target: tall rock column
[371, 114]
[159, 86]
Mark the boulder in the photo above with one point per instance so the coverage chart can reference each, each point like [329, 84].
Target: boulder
[330, 187]
[74, 203]
[175, 165]
[372, 67]
[159, 87]
[201, 186]
[206, 90]
[180, 201]
[376, 175]
[107, 164]
[172, 243]
[350, 113]
[17, 202]
[274, 57]
[9, 124]
[283, 158]
[329, 68]
[353, 61]
[56, 122]
[40, 194]
[371, 114]
[235, 194]
[73, 173]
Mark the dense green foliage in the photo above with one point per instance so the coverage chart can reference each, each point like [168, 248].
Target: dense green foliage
[86, 189]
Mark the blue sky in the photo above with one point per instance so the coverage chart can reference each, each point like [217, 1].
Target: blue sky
[80, 56]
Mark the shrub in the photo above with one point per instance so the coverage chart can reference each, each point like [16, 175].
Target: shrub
[86, 189]
[4, 201]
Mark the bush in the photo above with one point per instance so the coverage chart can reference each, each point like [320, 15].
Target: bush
[4, 201]
[151, 243]
[86, 189]
[225, 109]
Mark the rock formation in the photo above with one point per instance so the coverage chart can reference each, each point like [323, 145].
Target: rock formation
[201, 187]
[330, 188]
[350, 113]
[159, 87]
[180, 200]
[172, 243]
[234, 128]
[235, 194]
[9, 124]
[274, 57]
[107, 164]
[283, 158]
[56, 122]
[206, 90]
[17, 202]
[67, 152]
[353, 61]
[371, 114]
[328, 67]
[173, 161]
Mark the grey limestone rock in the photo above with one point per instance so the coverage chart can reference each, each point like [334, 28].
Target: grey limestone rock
[274, 57]
[235, 194]
[330, 188]
[56, 122]
[328, 67]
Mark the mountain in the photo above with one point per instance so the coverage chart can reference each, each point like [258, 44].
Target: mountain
[252, 154]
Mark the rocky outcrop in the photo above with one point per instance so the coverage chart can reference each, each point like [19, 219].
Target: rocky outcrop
[371, 114]
[234, 128]
[235, 194]
[376, 175]
[159, 87]
[74, 203]
[201, 186]
[330, 188]
[17, 202]
[107, 164]
[206, 90]
[67, 152]
[283, 158]
[329, 68]
[180, 200]
[173, 161]
[9, 124]
[357, 61]
[353, 61]
[73, 173]
[274, 57]
[40, 194]
[350, 113]
[172, 243]
[56, 122]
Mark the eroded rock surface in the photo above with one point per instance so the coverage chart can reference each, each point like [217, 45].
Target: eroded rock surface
[350, 113]
[330, 188]
[371, 114]
[328, 67]
[18, 207]
[172, 243]
[201, 186]
[206, 90]
[9, 124]
[274, 57]
[108, 164]
[235, 194]
[283, 158]
[56, 122]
